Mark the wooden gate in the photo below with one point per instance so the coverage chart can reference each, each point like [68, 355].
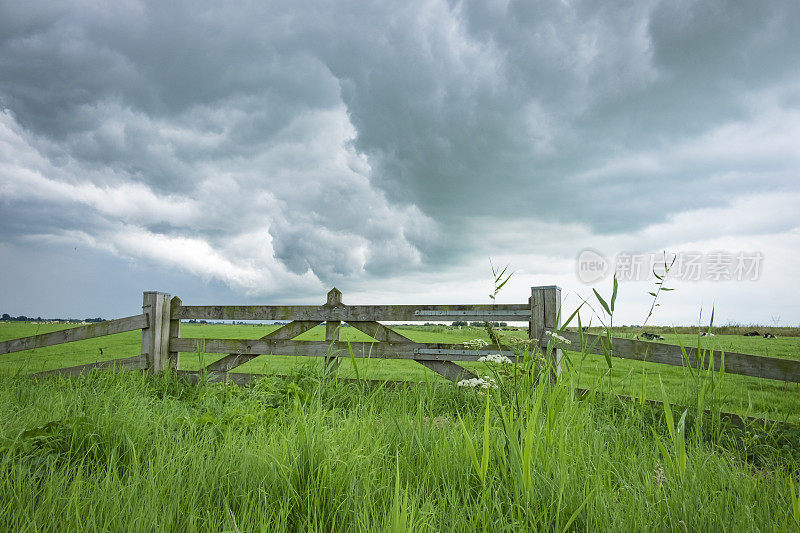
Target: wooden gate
[387, 344]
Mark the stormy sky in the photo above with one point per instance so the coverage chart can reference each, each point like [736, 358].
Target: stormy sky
[263, 152]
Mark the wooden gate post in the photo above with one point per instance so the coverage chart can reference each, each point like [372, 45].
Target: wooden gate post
[174, 331]
[545, 313]
[155, 338]
[333, 327]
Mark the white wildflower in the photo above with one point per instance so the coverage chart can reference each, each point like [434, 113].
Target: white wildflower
[557, 337]
[475, 344]
[478, 383]
[495, 358]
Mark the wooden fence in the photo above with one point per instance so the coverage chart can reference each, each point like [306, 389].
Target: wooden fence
[160, 323]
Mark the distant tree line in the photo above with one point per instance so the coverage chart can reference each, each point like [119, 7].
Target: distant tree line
[22, 318]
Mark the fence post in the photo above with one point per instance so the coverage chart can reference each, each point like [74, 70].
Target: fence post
[174, 331]
[333, 327]
[155, 338]
[545, 313]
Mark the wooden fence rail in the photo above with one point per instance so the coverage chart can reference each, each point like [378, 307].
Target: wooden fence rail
[669, 354]
[357, 313]
[80, 333]
[249, 349]
[137, 362]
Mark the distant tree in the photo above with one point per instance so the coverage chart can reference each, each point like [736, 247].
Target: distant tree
[6, 316]
[503, 324]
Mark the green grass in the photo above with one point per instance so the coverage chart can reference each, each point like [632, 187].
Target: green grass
[738, 394]
[135, 452]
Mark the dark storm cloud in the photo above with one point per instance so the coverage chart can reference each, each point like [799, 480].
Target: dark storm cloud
[550, 91]
[295, 144]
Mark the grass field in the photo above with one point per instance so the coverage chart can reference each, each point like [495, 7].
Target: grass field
[738, 394]
[137, 452]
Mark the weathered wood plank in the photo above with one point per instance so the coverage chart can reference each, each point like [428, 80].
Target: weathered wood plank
[378, 331]
[155, 338]
[137, 362]
[545, 308]
[174, 331]
[552, 313]
[447, 369]
[536, 328]
[89, 331]
[385, 350]
[351, 313]
[668, 354]
[285, 332]
[230, 361]
[333, 327]
[291, 330]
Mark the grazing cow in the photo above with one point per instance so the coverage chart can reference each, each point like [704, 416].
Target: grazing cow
[706, 334]
[769, 336]
[652, 337]
[752, 334]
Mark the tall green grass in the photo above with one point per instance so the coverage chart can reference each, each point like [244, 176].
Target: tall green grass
[136, 452]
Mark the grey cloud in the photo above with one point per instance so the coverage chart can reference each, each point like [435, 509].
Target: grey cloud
[363, 139]
[705, 39]
[592, 74]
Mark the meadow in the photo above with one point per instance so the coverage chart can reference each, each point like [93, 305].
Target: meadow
[133, 451]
